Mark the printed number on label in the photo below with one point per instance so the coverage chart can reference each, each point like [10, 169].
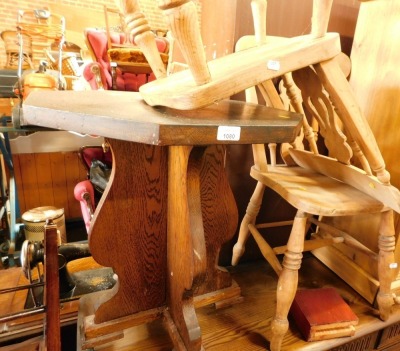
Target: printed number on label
[228, 133]
[273, 65]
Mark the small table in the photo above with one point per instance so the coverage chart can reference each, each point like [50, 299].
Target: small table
[168, 207]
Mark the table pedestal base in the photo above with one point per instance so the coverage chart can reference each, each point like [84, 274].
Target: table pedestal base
[160, 225]
[91, 335]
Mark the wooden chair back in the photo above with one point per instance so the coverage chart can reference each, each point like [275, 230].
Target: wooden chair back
[322, 94]
[347, 178]
[353, 154]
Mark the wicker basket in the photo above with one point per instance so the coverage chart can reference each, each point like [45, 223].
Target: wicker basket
[70, 66]
[35, 219]
[70, 82]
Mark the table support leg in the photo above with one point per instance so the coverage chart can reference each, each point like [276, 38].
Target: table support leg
[220, 216]
[161, 236]
[185, 244]
[129, 230]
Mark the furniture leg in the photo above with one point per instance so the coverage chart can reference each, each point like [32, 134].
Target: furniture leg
[320, 17]
[219, 215]
[123, 237]
[202, 215]
[259, 11]
[198, 190]
[252, 210]
[185, 235]
[288, 280]
[181, 16]
[386, 264]
[138, 26]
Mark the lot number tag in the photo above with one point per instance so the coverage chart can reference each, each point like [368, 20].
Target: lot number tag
[228, 133]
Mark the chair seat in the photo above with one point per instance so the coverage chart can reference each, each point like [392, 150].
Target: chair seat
[315, 193]
[133, 59]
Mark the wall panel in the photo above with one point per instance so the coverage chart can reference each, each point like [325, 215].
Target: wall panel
[48, 179]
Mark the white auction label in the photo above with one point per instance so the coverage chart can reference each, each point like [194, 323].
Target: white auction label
[228, 133]
[273, 65]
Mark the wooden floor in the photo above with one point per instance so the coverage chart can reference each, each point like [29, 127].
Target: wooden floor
[246, 326]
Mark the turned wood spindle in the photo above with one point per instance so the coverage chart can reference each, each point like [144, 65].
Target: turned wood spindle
[288, 280]
[386, 264]
[354, 121]
[138, 26]
[182, 19]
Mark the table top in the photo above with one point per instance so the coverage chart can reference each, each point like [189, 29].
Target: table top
[125, 116]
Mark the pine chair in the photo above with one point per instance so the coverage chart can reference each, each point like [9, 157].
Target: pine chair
[351, 180]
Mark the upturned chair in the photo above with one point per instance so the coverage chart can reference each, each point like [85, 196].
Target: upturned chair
[350, 180]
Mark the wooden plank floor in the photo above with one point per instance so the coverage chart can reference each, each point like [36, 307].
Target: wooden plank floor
[246, 326]
[13, 303]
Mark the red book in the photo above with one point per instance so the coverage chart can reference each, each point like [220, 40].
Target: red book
[322, 314]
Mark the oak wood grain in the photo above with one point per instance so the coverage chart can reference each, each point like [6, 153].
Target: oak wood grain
[125, 116]
[160, 252]
[130, 222]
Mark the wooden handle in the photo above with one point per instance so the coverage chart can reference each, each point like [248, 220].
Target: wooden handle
[320, 17]
[182, 20]
[138, 26]
[259, 11]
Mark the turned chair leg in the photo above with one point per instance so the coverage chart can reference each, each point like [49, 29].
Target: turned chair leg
[253, 208]
[288, 280]
[386, 264]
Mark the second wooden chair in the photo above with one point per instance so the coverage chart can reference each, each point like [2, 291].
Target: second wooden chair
[348, 179]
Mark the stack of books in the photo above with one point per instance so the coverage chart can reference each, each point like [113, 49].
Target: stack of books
[322, 314]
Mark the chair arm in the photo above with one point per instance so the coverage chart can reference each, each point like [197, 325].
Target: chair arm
[84, 193]
[92, 72]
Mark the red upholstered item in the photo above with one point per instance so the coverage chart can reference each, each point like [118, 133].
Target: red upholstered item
[90, 153]
[82, 188]
[98, 43]
[85, 191]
